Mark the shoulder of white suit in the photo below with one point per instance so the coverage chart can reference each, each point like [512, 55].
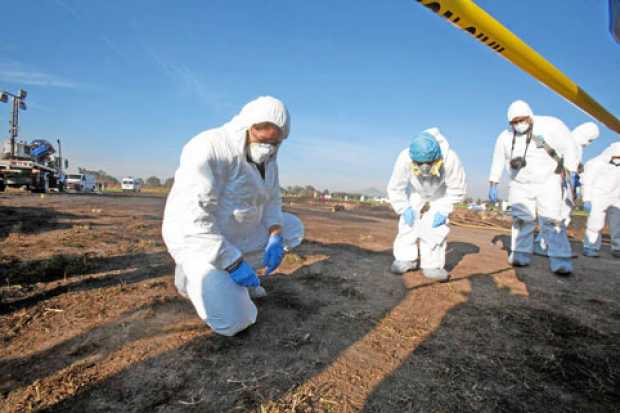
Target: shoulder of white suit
[549, 123]
[211, 144]
[403, 156]
[611, 151]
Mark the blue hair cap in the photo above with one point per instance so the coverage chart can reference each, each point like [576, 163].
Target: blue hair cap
[424, 148]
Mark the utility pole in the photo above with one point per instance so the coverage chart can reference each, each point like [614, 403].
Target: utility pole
[18, 103]
[59, 156]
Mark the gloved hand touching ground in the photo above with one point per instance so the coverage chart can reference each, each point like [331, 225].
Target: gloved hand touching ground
[244, 275]
[274, 253]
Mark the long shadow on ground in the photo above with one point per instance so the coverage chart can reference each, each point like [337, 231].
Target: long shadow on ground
[33, 220]
[302, 328]
[147, 265]
[504, 352]
[63, 266]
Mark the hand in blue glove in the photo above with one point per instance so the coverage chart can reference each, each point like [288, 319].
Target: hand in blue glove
[576, 180]
[439, 219]
[493, 193]
[587, 206]
[274, 252]
[244, 275]
[409, 216]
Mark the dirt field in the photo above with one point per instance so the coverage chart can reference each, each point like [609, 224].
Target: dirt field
[90, 321]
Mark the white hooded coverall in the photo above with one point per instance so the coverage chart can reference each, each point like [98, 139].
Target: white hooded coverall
[581, 136]
[221, 208]
[405, 190]
[601, 187]
[536, 190]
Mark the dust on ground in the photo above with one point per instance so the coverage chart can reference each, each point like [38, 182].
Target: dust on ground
[90, 321]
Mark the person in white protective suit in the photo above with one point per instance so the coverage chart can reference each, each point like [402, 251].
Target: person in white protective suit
[530, 150]
[583, 135]
[601, 198]
[224, 210]
[428, 179]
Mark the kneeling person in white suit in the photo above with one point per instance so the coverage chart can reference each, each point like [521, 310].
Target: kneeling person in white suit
[427, 181]
[225, 210]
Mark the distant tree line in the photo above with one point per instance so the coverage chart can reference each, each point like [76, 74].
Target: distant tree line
[107, 179]
[298, 190]
[100, 176]
[156, 182]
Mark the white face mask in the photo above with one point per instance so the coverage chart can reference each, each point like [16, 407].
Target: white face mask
[521, 127]
[261, 152]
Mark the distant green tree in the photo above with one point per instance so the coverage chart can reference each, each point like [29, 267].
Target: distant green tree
[153, 181]
[309, 190]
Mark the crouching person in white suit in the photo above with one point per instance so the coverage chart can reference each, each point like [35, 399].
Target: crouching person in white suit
[428, 179]
[223, 217]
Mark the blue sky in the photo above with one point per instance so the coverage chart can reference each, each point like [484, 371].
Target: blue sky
[127, 83]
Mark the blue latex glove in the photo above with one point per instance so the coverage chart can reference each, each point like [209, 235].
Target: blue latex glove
[576, 180]
[409, 216]
[274, 252]
[493, 193]
[244, 275]
[439, 219]
[587, 206]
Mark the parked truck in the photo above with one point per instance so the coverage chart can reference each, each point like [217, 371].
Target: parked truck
[37, 166]
[130, 184]
[80, 182]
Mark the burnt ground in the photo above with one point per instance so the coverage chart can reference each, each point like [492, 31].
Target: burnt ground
[90, 321]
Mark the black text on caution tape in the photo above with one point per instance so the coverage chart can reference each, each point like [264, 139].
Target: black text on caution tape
[449, 15]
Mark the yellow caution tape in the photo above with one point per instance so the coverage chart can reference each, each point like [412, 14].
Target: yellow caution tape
[467, 16]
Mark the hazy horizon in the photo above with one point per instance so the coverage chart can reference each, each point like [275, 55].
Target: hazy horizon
[127, 84]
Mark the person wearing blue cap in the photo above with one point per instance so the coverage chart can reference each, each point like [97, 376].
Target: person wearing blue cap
[428, 179]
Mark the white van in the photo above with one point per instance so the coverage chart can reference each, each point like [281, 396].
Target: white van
[129, 184]
[80, 182]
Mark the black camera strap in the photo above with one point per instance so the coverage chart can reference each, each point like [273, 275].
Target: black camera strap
[552, 153]
[527, 143]
[560, 168]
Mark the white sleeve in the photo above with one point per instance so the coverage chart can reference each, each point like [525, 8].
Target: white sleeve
[499, 160]
[587, 178]
[198, 186]
[567, 146]
[398, 187]
[455, 184]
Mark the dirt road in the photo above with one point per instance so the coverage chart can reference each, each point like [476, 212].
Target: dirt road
[90, 321]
